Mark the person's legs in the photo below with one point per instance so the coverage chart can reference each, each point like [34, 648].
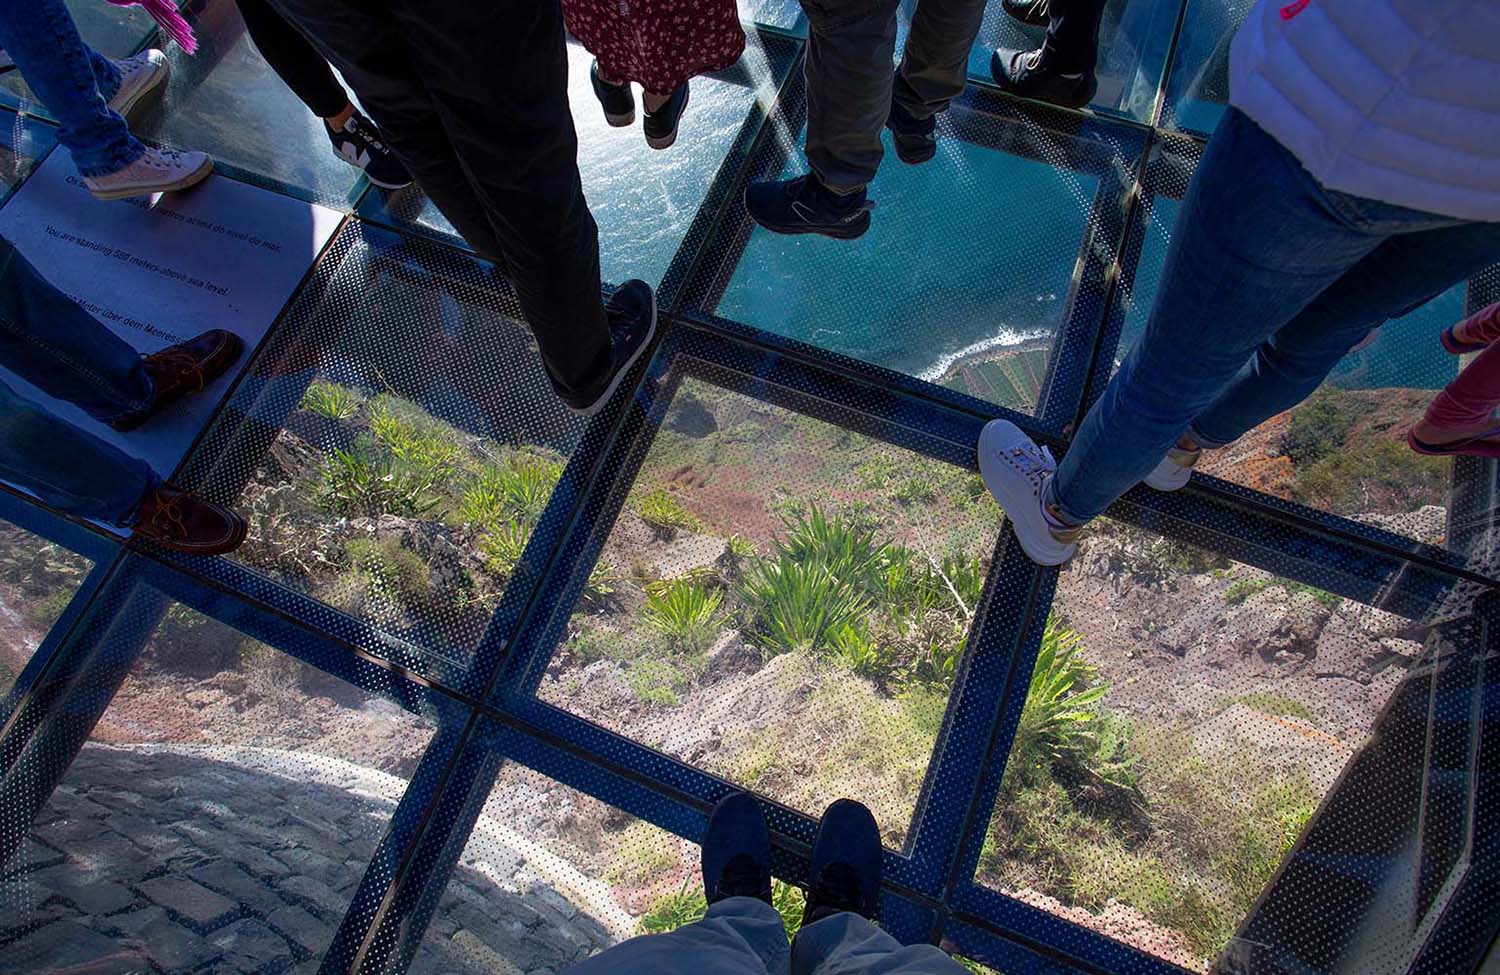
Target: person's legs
[70, 469]
[847, 944]
[738, 936]
[1062, 69]
[497, 74]
[55, 345]
[850, 45]
[935, 65]
[1461, 416]
[1400, 276]
[1072, 45]
[368, 48]
[39, 35]
[296, 62]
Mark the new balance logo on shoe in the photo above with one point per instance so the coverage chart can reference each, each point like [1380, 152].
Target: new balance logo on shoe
[353, 155]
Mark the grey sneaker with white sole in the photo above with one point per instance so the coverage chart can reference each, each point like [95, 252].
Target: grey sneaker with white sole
[140, 76]
[1017, 471]
[1174, 471]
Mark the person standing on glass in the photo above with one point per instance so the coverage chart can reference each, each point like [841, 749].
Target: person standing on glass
[90, 95]
[1062, 70]
[1355, 176]
[473, 97]
[852, 95]
[659, 45]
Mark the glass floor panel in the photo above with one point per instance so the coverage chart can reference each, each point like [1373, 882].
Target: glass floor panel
[643, 200]
[811, 581]
[1343, 450]
[957, 310]
[1197, 87]
[227, 102]
[113, 31]
[396, 445]
[550, 876]
[1231, 700]
[37, 579]
[26, 144]
[219, 817]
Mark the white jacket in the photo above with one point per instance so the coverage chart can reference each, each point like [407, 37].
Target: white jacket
[1394, 100]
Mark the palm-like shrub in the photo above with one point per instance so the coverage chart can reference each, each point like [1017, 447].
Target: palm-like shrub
[686, 610]
[799, 605]
[1058, 720]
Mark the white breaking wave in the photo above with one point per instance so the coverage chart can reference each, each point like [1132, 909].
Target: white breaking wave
[1007, 337]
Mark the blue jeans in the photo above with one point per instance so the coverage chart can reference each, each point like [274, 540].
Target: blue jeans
[73, 80]
[745, 936]
[61, 349]
[1269, 281]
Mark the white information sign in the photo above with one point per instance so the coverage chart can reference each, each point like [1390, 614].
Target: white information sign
[158, 270]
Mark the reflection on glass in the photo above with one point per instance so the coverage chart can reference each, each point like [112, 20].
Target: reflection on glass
[218, 819]
[37, 579]
[1197, 87]
[773, 578]
[1187, 715]
[115, 32]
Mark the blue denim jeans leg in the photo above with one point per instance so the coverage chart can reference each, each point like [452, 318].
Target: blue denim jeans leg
[1269, 280]
[74, 81]
[52, 343]
[70, 469]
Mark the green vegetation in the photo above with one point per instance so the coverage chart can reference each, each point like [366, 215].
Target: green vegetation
[666, 515]
[686, 610]
[1385, 476]
[331, 401]
[658, 682]
[1267, 702]
[799, 605]
[1320, 426]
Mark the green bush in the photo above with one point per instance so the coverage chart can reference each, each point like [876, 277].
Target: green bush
[798, 605]
[501, 547]
[686, 905]
[1381, 477]
[686, 610]
[666, 514]
[331, 400]
[415, 438]
[848, 552]
[1320, 426]
[367, 480]
[1242, 589]
[658, 682]
[393, 571]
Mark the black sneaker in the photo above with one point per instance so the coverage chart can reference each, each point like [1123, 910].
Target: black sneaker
[915, 138]
[1032, 13]
[737, 851]
[1023, 73]
[661, 125]
[360, 145]
[631, 311]
[805, 206]
[845, 870]
[618, 101]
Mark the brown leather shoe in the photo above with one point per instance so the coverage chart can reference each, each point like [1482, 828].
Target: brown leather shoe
[183, 522]
[185, 368]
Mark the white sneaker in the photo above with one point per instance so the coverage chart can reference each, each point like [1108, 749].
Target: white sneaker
[1174, 471]
[156, 171]
[139, 76]
[1016, 471]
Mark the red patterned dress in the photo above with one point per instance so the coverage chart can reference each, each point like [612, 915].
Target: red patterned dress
[658, 44]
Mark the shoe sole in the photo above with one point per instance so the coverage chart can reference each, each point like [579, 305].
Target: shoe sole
[1043, 551]
[153, 85]
[237, 530]
[852, 231]
[386, 186]
[620, 121]
[192, 179]
[614, 384]
[665, 141]
[1469, 446]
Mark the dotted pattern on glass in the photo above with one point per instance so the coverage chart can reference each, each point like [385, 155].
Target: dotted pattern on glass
[774, 578]
[37, 579]
[219, 817]
[416, 443]
[1187, 715]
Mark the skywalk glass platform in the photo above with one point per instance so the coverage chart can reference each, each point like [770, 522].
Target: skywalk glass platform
[465, 697]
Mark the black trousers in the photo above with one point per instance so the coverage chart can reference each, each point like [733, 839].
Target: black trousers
[473, 96]
[1072, 44]
[296, 62]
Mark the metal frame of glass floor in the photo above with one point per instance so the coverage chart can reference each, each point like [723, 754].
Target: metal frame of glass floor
[1394, 872]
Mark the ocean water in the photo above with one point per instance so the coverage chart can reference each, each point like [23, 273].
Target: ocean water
[973, 250]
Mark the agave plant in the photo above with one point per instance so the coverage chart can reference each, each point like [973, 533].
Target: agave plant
[1058, 721]
[798, 605]
[686, 610]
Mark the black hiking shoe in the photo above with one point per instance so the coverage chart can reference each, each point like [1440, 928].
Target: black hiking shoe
[915, 138]
[805, 206]
[631, 311]
[737, 851]
[1032, 13]
[359, 144]
[1025, 74]
[845, 870]
[618, 101]
[660, 126]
